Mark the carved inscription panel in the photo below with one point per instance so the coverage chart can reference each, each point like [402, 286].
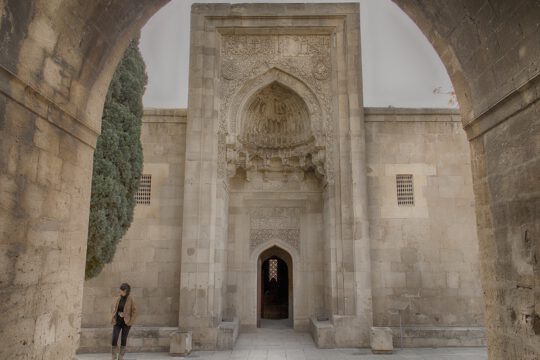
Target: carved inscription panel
[281, 223]
[284, 45]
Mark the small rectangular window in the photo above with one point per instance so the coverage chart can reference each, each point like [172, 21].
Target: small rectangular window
[145, 189]
[405, 190]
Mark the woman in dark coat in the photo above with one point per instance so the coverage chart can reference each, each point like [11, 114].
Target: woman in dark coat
[122, 319]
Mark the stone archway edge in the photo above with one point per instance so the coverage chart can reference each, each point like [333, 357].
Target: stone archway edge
[29, 97]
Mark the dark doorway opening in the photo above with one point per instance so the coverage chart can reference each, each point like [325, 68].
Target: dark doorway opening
[275, 287]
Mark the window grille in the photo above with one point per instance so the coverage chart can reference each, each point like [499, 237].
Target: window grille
[405, 190]
[272, 269]
[145, 188]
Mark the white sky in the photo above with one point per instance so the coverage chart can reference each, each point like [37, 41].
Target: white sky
[400, 67]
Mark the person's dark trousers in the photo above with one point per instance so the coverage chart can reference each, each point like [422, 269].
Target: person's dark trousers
[116, 332]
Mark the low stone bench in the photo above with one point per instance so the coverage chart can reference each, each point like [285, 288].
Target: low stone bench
[381, 340]
[141, 339]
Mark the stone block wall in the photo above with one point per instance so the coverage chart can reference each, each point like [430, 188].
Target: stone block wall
[424, 257]
[148, 257]
[45, 174]
[506, 164]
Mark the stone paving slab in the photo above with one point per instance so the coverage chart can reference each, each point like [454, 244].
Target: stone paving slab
[287, 344]
[311, 354]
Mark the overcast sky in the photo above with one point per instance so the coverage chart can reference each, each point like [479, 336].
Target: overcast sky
[400, 67]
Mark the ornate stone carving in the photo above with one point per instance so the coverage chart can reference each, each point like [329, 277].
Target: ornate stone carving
[321, 69]
[229, 70]
[280, 45]
[303, 45]
[261, 236]
[267, 224]
[222, 159]
[301, 63]
[246, 45]
[276, 212]
[276, 118]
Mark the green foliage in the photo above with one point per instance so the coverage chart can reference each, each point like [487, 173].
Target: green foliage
[118, 161]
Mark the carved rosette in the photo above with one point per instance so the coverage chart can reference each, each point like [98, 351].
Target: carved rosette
[321, 68]
[229, 70]
[275, 103]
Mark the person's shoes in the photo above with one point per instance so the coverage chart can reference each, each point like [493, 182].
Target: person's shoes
[114, 352]
[122, 352]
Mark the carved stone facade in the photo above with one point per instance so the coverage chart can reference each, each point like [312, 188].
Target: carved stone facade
[278, 152]
[274, 102]
[57, 59]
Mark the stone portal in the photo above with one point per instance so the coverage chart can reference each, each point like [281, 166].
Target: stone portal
[275, 157]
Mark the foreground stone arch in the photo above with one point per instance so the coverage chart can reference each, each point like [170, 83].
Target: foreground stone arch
[56, 61]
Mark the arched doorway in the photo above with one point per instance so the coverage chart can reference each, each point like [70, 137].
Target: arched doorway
[274, 287]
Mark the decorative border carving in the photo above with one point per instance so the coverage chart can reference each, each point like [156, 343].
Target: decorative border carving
[251, 62]
[271, 223]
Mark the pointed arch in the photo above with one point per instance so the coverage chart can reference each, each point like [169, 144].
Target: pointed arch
[275, 117]
[274, 75]
[256, 253]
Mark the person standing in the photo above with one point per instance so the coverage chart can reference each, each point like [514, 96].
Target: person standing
[123, 317]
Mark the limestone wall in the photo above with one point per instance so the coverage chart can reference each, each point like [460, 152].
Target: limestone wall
[148, 257]
[424, 257]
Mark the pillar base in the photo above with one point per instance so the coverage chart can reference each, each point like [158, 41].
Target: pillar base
[381, 340]
[181, 343]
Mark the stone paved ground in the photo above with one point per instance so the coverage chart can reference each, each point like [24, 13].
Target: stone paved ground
[286, 344]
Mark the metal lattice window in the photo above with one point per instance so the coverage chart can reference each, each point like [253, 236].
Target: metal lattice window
[405, 189]
[145, 189]
[272, 269]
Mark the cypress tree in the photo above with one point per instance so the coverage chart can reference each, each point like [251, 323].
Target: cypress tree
[118, 161]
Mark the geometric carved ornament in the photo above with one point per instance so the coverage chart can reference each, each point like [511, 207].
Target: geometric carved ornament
[275, 117]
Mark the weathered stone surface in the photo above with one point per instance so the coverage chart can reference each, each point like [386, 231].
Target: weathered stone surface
[323, 333]
[381, 340]
[424, 257]
[56, 62]
[147, 338]
[230, 172]
[438, 336]
[181, 343]
[228, 333]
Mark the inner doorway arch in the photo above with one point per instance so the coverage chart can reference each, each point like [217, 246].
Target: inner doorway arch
[275, 298]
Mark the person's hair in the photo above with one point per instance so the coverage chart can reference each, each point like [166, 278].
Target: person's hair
[126, 288]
